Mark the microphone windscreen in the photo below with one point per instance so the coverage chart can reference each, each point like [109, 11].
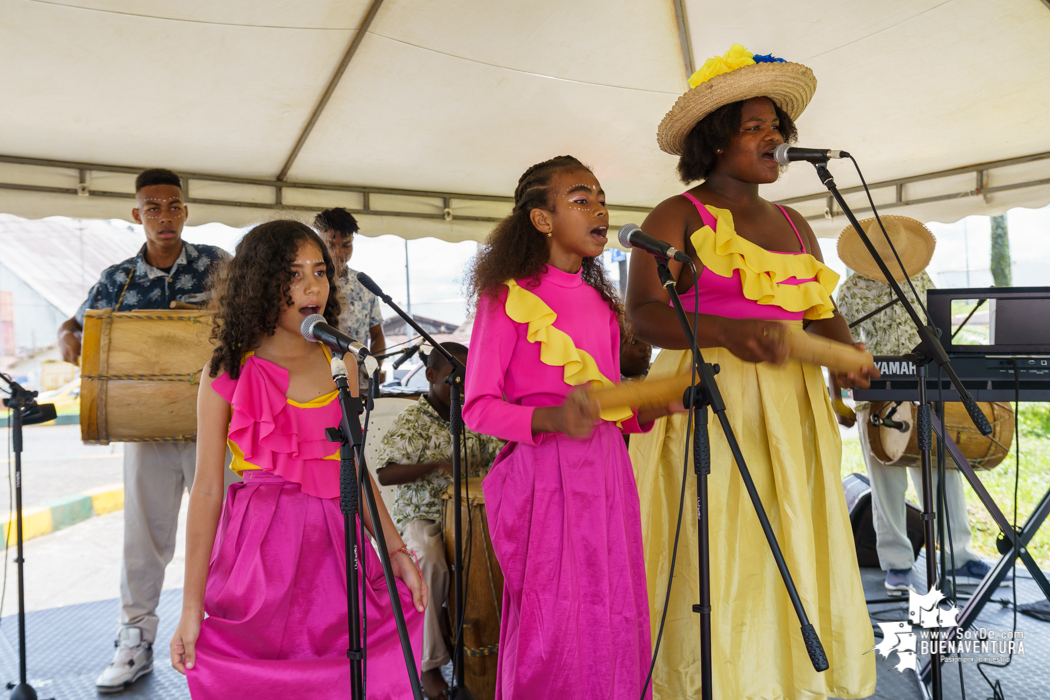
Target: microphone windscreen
[624, 236]
[780, 154]
[307, 326]
[369, 284]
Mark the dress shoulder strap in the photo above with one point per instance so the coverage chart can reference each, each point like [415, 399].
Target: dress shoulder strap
[797, 234]
[707, 216]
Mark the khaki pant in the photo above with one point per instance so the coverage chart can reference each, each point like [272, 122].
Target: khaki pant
[424, 538]
[888, 485]
[155, 476]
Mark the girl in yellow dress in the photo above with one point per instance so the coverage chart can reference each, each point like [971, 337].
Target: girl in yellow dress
[760, 269]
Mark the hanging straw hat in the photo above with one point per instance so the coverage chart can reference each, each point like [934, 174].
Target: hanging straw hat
[737, 75]
[913, 241]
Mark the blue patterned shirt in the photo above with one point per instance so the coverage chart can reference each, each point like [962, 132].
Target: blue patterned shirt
[188, 281]
[360, 307]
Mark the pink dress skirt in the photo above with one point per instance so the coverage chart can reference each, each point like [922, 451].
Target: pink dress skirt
[276, 603]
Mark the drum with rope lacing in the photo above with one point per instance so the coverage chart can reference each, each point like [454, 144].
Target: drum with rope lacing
[140, 371]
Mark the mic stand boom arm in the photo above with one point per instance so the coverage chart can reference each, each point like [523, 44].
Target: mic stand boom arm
[928, 350]
[455, 380]
[705, 394]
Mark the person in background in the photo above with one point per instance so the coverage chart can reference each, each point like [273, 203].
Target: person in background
[635, 355]
[891, 332]
[416, 455]
[361, 317]
[166, 271]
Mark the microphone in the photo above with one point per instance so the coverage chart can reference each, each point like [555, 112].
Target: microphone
[406, 355]
[631, 236]
[369, 284]
[785, 154]
[316, 329]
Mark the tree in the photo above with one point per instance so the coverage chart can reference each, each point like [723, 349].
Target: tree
[1001, 263]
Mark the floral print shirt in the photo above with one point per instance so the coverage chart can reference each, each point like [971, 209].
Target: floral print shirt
[891, 331]
[420, 435]
[188, 281]
[360, 307]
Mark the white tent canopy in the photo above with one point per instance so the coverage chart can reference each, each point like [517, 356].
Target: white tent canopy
[443, 104]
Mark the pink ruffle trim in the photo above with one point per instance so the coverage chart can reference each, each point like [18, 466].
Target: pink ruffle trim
[277, 436]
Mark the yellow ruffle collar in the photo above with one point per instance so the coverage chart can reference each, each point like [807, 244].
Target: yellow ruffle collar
[761, 272]
[556, 347]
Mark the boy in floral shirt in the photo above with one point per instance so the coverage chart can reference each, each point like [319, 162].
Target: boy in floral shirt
[416, 455]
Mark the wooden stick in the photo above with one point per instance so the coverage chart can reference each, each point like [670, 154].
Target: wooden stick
[818, 350]
[641, 394]
[802, 346]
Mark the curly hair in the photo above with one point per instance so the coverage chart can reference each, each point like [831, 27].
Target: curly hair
[517, 250]
[713, 132]
[254, 288]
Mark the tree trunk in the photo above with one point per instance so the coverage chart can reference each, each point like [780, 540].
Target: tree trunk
[1001, 264]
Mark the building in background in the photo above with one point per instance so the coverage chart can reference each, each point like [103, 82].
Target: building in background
[47, 267]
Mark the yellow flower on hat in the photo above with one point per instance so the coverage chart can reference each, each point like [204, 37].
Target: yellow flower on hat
[736, 57]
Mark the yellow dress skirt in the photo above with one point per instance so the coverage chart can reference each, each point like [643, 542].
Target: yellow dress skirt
[783, 420]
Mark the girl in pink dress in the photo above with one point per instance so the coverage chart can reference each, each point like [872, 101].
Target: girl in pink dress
[561, 498]
[274, 589]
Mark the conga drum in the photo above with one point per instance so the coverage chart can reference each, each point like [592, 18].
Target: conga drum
[483, 589]
[139, 374]
[901, 449]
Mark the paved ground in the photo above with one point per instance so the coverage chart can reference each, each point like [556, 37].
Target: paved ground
[55, 463]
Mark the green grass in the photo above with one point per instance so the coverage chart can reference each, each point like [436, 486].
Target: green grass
[1033, 483]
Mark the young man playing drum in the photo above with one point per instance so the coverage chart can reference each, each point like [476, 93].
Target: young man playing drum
[166, 270]
[416, 454]
[890, 332]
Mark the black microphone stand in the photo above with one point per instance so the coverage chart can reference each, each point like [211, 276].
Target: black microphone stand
[458, 690]
[700, 397]
[351, 445]
[24, 411]
[929, 350]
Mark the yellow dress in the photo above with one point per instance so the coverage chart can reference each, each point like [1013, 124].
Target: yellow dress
[783, 420]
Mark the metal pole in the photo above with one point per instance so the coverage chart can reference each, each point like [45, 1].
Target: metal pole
[408, 292]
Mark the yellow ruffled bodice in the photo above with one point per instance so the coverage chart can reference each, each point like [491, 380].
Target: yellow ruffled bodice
[763, 272]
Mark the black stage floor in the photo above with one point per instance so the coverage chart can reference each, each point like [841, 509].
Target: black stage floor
[69, 647]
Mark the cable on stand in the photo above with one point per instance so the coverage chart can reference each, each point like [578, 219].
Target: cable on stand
[930, 350]
[458, 690]
[700, 397]
[24, 411]
[351, 446]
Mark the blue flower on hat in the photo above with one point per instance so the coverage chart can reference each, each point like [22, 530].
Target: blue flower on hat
[767, 58]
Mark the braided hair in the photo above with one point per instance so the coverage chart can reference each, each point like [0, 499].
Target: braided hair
[518, 250]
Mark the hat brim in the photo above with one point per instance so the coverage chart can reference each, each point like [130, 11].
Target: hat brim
[789, 85]
[916, 255]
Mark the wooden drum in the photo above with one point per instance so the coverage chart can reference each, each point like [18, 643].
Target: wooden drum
[898, 449]
[139, 375]
[483, 590]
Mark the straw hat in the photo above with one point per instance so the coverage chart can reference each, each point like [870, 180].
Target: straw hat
[913, 241]
[737, 75]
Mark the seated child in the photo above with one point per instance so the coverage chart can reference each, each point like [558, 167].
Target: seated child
[416, 454]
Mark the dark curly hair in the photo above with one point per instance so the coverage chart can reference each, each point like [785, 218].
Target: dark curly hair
[517, 250]
[253, 288]
[157, 176]
[713, 132]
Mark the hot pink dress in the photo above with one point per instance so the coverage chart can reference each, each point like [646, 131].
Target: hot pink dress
[563, 513]
[276, 591]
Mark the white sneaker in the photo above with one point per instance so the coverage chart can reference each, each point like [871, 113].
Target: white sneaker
[133, 660]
